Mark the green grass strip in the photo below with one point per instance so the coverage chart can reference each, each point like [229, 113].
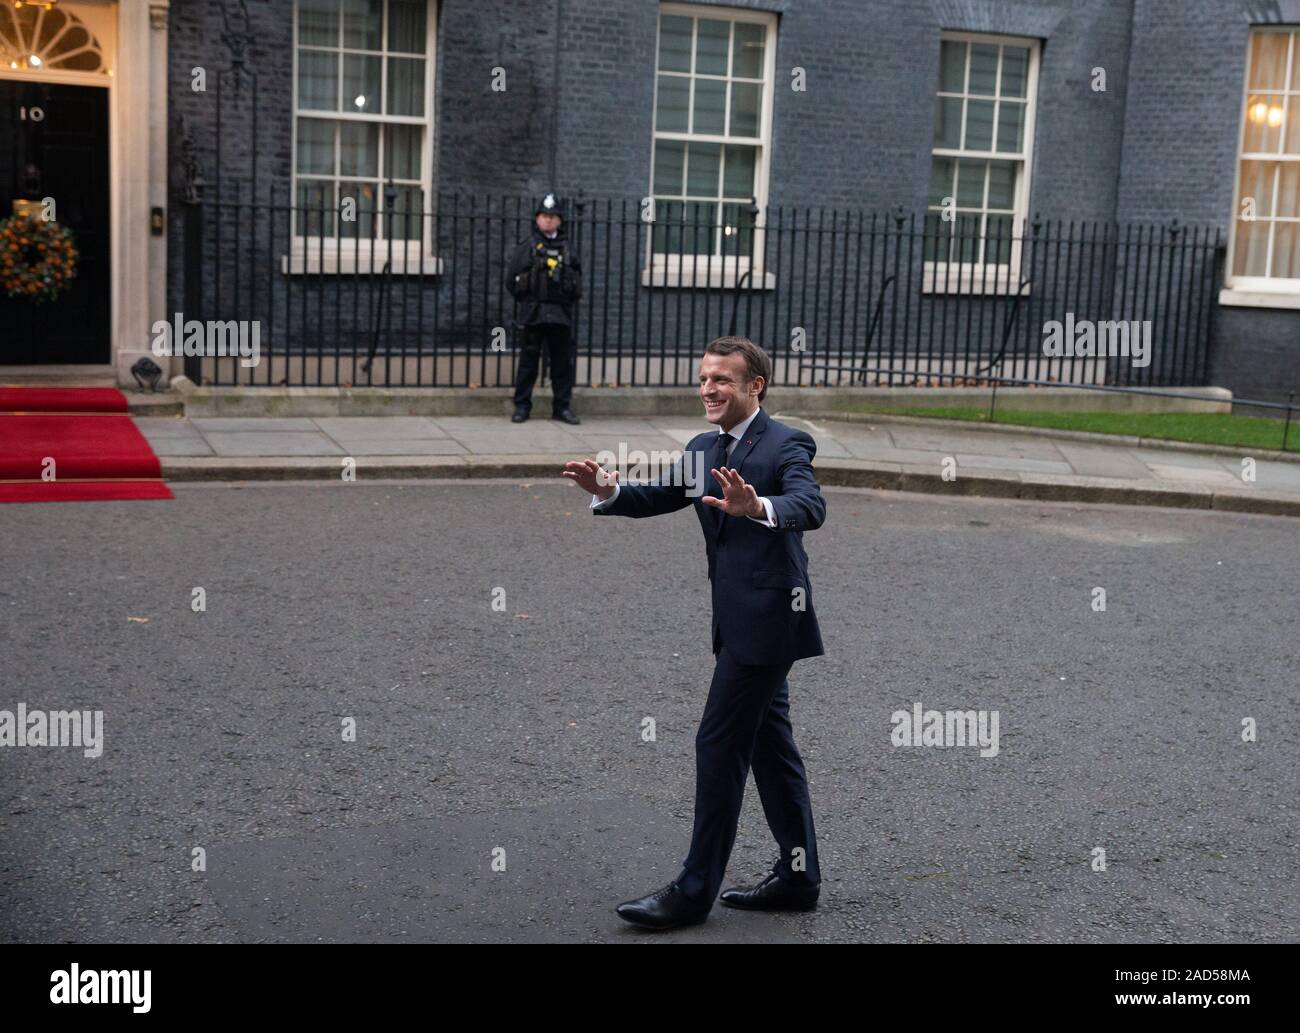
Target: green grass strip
[1197, 428]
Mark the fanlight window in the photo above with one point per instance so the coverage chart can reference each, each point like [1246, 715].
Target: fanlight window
[33, 38]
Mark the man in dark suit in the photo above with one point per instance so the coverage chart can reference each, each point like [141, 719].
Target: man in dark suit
[763, 497]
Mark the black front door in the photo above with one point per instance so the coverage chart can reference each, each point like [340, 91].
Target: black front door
[54, 143]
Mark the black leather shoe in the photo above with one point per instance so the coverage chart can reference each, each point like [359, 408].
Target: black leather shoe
[520, 414]
[567, 416]
[666, 909]
[773, 894]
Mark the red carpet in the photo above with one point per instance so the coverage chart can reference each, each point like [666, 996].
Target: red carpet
[98, 451]
[61, 399]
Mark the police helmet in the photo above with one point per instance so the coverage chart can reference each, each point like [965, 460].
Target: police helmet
[550, 205]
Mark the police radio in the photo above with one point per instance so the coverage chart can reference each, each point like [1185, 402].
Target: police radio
[550, 278]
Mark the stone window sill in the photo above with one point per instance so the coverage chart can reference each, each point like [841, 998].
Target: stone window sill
[714, 274]
[945, 278]
[332, 259]
[1259, 298]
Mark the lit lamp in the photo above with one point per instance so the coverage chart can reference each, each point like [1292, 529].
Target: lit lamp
[1262, 113]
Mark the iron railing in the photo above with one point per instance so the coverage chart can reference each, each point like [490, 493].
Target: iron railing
[836, 297]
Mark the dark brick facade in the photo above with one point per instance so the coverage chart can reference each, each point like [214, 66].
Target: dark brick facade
[1158, 144]
[1180, 149]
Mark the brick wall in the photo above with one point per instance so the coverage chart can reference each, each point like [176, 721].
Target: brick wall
[1158, 143]
[1180, 150]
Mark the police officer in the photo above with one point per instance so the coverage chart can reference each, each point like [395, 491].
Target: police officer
[546, 279]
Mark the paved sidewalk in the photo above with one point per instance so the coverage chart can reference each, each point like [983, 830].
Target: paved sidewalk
[910, 456]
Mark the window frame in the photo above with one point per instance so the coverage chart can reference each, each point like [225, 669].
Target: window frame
[712, 271]
[330, 254]
[959, 277]
[1262, 291]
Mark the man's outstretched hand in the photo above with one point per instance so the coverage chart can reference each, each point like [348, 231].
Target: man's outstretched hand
[738, 498]
[591, 477]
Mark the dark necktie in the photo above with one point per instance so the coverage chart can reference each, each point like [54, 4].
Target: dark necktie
[720, 453]
[718, 461]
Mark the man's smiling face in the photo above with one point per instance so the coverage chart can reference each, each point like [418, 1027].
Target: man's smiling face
[728, 396]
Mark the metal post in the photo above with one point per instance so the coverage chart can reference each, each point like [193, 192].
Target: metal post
[1286, 429]
[192, 184]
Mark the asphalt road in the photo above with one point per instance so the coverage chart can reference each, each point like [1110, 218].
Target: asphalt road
[519, 731]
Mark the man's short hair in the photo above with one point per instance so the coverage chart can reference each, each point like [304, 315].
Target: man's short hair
[757, 363]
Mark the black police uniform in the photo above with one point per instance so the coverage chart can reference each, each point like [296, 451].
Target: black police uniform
[545, 278]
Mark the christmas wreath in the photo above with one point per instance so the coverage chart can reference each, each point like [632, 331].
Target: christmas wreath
[37, 258]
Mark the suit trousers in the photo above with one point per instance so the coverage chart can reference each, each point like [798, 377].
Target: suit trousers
[558, 341]
[746, 723]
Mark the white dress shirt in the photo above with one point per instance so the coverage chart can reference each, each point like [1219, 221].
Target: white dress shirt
[737, 435]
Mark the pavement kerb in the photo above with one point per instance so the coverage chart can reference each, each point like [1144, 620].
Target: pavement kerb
[831, 472]
[172, 403]
[1082, 436]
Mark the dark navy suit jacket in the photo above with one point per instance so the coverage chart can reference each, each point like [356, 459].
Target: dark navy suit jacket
[754, 569]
